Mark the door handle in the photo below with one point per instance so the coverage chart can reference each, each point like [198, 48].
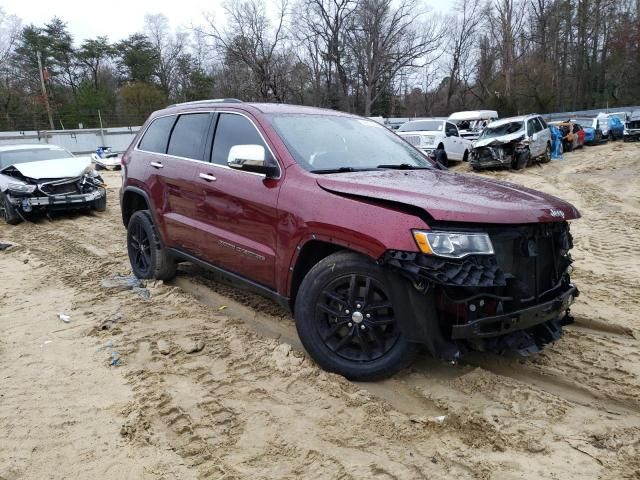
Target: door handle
[207, 177]
[156, 165]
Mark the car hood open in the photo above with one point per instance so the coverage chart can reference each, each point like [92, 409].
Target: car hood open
[501, 140]
[451, 197]
[58, 168]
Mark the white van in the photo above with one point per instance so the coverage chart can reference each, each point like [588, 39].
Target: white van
[471, 123]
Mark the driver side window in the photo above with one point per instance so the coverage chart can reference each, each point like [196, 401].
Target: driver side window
[531, 127]
[232, 130]
[451, 130]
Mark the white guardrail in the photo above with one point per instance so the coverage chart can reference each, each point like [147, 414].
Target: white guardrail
[79, 141]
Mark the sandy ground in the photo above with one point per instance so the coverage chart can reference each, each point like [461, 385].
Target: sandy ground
[250, 404]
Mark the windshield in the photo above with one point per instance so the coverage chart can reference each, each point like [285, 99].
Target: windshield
[26, 155]
[502, 129]
[422, 126]
[327, 142]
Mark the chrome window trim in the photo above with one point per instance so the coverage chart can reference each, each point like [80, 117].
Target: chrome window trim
[280, 169]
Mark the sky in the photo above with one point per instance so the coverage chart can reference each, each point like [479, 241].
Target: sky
[117, 19]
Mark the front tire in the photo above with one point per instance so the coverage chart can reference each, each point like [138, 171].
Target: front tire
[521, 159]
[346, 322]
[8, 211]
[441, 156]
[100, 205]
[149, 259]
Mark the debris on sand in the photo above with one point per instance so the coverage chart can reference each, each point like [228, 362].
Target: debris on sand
[122, 283]
[65, 318]
[164, 347]
[194, 347]
[4, 246]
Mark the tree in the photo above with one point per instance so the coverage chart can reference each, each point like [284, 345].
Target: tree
[462, 28]
[251, 41]
[168, 49]
[137, 60]
[388, 37]
[93, 56]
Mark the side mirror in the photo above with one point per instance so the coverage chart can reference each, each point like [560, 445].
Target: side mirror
[250, 158]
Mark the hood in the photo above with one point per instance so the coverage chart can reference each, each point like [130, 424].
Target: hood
[501, 140]
[58, 168]
[421, 132]
[453, 197]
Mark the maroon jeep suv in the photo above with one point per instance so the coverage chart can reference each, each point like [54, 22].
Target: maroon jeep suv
[376, 249]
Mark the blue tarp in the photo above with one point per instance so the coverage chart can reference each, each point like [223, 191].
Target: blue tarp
[556, 143]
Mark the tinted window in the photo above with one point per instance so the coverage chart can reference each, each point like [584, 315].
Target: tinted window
[233, 130]
[531, 126]
[542, 122]
[157, 135]
[538, 124]
[451, 130]
[189, 136]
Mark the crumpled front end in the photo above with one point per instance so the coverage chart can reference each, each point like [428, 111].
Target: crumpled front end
[516, 300]
[632, 130]
[28, 195]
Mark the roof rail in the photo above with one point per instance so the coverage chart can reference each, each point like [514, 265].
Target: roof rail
[211, 100]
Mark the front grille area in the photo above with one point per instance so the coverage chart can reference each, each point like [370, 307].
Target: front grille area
[413, 139]
[534, 258]
[59, 188]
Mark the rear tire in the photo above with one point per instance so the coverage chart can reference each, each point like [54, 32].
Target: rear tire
[346, 322]
[546, 158]
[8, 211]
[149, 259]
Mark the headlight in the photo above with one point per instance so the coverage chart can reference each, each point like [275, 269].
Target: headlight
[453, 244]
[427, 139]
[21, 188]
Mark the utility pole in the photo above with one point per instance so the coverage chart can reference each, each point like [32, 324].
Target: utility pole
[44, 91]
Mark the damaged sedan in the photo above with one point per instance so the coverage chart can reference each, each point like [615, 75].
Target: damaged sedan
[43, 178]
[514, 142]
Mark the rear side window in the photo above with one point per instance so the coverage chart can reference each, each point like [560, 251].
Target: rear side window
[157, 135]
[189, 136]
[233, 130]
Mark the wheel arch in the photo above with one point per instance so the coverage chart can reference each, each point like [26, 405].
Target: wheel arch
[134, 199]
[308, 254]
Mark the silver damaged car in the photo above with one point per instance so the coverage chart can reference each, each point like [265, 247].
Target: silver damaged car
[41, 178]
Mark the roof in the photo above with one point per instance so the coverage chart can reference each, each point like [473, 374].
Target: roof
[258, 107]
[504, 121]
[473, 115]
[428, 119]
[28, 146]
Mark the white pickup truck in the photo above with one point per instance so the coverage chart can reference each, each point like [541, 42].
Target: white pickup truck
[437, 136]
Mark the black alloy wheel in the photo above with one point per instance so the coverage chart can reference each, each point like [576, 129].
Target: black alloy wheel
[355, 319]
[346, 321]
[140, 245]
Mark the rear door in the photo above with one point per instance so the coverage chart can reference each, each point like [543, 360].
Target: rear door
[173, 187]
[237, 210]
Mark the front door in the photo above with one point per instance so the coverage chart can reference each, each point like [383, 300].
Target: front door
[237, 210]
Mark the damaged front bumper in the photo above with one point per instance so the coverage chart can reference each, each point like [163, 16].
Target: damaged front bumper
[491, 157]
[516, 300]
[65, 201]
[525, 318]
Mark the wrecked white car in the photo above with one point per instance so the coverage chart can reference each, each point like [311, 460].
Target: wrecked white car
[41, 178]
[512, 143]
